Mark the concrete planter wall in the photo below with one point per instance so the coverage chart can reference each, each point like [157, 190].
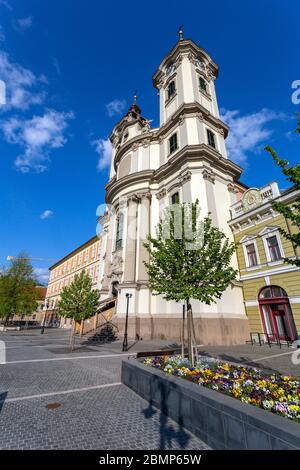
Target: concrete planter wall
[220, 421]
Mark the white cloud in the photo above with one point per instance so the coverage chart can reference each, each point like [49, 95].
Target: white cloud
[5, 4]
[22, 24]
[248, 133]
[103, 148]
[42, 274]
[46, 214]
[115, 107]
[22, 86]
[37, 136]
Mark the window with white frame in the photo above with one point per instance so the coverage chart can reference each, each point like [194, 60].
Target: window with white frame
[202, 84]
[251, 255]
[211, 140]
[171, 90]
[273, 248]
[250, 251]
[272, 244]
[173, 144]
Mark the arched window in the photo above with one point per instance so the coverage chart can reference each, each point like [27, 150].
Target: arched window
[119, 231]
[171, 89]
[272, 291]
[276, 314]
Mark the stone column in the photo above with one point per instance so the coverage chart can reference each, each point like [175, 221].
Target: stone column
[131, 235]
[209, 178]
[144, 224]
[106, 220]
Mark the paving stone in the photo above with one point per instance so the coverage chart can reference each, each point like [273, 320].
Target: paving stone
[105, 418]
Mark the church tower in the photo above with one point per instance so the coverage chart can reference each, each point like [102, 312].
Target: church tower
[184, 159]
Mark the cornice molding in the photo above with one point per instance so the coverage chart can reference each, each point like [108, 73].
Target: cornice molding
[125, 182]
[157, 135]
[266, 206]
[190, 153]
[197, 153]
[184, 47]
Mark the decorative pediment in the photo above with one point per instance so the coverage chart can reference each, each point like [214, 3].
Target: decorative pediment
[248, 238]
[267, 230]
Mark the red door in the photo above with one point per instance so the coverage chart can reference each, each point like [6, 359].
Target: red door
[276, 313]
[280, 322]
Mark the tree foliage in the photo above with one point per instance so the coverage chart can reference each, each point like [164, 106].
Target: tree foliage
[18, 293]
[78, 300]
[189, 259]
[290, 212]
[194, 265]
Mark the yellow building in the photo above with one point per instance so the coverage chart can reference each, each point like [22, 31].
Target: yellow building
[271, 286]
[86, 257]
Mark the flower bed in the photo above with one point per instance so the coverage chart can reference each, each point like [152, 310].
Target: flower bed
[279, 394]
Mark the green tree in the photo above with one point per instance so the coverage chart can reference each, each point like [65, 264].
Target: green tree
[78, 301]
[18, 293]
[189, 259]
[290, 212]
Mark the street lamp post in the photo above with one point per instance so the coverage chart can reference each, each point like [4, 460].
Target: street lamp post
[44, 319]
[125, 341]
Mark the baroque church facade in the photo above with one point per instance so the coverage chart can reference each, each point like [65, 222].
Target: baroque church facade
[182, 160]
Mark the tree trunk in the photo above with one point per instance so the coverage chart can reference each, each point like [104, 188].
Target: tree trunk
[72, 337]
[81, 327]
[195, 350]
[189, 332]
[183, 332]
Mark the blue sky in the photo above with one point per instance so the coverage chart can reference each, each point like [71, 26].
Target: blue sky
[71, 68]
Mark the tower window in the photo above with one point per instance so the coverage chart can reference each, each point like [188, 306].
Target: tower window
[202, 84]
[173, 143]
[175, 198]
[171, 89]
[211, 138]
[119, 231]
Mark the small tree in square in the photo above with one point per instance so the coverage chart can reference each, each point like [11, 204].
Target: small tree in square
[189, 259]
[78, 301]
[18, 293]
[290, 212]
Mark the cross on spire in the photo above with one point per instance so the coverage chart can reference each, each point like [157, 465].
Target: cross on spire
[180, 32]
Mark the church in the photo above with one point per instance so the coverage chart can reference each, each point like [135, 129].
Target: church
[182, 160]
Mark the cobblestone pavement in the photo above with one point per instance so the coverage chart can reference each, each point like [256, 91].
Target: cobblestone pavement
[89, 408]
